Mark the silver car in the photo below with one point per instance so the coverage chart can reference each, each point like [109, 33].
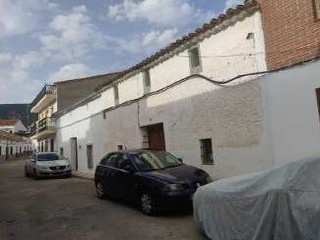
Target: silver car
[47, 164]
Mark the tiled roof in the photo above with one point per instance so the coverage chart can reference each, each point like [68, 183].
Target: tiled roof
[215, 22]
[108, 75]
[8, 122]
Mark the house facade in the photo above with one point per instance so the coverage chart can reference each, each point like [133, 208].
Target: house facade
[12, 126]
[231, 97]
[57, 97]
[42, 132]
[183, 100]
[13, 145]
[292, 31]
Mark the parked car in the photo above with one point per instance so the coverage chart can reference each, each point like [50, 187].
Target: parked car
[282, 203]
[47, 164]
[156, 180]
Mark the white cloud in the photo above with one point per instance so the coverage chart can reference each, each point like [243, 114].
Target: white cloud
[161, 13]
[72, 36]
[16, 84]
[159, 38]
[15, 68]
[20, 16]
[147, 42]
[70, 71]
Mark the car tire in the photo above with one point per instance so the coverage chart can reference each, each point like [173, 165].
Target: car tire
[35, 175]
[148, 205]
[101, 190]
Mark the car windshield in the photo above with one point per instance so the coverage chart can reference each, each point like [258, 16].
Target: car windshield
[154, 160]
[48, 157]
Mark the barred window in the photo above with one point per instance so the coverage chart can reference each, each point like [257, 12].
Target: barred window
[195, 60]
[146, 81]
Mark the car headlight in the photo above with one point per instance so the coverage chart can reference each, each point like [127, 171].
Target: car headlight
[173, 187]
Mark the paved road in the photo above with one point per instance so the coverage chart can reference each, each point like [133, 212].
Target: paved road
[66, 209]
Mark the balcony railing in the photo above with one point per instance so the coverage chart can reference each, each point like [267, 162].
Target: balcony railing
[42, 125]
[47, 89]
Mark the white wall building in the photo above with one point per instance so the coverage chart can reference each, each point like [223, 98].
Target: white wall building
[163, 102]
[12, 126]
[13, 146]
[292, 106]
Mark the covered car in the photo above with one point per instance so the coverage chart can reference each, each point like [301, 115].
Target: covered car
[279, 204]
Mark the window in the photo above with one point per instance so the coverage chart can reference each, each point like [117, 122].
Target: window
[206, 151]
[146, 81]
[116, 95]
[110, 160]
[195, 60]
[124, 162]
[90, 156]
[317, 9]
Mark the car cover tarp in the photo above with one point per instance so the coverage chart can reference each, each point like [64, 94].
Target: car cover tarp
[279, 204]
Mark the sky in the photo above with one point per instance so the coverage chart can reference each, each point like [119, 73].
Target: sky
[44, 41]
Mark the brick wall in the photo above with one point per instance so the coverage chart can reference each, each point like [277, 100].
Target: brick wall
[292, 33]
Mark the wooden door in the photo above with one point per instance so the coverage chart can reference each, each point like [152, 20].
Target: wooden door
[156, 137]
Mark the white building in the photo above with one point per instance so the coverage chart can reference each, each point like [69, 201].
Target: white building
[178, 100]
[12, 126]
[13, 145]
[188, 100]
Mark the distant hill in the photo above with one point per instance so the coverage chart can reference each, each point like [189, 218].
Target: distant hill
[17, 111]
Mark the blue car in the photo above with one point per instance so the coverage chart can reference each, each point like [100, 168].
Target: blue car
[156, 180]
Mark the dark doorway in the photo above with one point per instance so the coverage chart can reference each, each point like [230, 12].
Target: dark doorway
[74, 153]
[156, 137]
[52, 145]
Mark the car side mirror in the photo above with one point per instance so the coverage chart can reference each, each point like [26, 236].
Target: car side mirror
[180, 160]
[32, 160]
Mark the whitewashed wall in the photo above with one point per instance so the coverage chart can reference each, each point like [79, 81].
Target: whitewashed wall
[231, 115]
[293, 112]
[17, 148]
[19, 127]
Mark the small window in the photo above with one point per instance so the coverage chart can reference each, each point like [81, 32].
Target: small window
[206, 151]
[116, 95]
[195, 60]
[146, 81]
[90, 156]
[317, 9]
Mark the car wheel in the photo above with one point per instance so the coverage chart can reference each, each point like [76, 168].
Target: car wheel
[101, 190]
[35, 174]
[148, 206]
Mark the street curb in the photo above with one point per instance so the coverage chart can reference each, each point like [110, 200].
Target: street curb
[83, 176]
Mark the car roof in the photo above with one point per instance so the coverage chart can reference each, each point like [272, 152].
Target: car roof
[133, 151]
[46, 153]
